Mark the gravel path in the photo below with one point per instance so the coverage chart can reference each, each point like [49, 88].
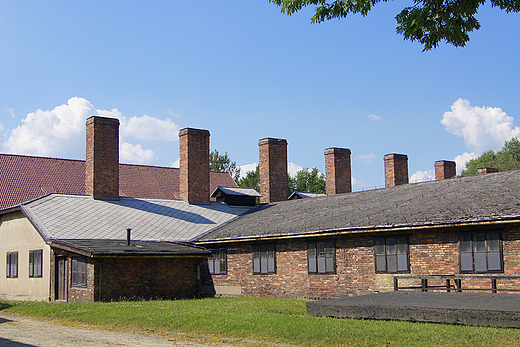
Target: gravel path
[16, 331]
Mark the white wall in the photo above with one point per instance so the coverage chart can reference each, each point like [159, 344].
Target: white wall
[17, 234]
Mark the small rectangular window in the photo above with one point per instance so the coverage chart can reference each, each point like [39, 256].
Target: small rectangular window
[391, 254]
[321, 257]
[35, 263]
[12, 265]
[217, 262]
[480, 252]
[264, 257]
[79, 272]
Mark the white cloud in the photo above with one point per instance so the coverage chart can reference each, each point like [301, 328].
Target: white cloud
[482, 128]
[177, 163]
[461, 160]
[129, 153]
[293, 169]
[50, 132]
[150, 128]
[244, 169]
[57, 132]
[367, 158]
[356, 183]
[375, 117]
[421, 176]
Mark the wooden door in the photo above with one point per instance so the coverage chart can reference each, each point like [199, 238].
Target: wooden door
[61, 278]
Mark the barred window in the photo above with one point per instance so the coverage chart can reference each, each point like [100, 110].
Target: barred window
[391, 254]
[35, 263]
[79, 272]
[12, 265]
[264, 258]
[217, 262]
[321, 257]
[480, 252]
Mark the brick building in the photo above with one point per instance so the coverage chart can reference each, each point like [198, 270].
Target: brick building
[103, 243]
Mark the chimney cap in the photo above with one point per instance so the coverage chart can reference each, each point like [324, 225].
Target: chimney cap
[395, 156]
[332, 150]
[272, 140]
[193, 131]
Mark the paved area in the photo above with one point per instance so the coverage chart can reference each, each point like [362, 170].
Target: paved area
[482, 309]
[18, 331]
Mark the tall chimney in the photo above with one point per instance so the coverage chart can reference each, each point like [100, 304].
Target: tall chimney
[194, 165]
[102, 157]
[396, 169]
[445, 169]
[273, 170]
[338, 171]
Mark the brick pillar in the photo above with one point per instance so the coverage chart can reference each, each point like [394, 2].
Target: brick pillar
[396, 169]
[273, 170]
[337, 171]
[445, 169]
[102, 157]
[487, 170]
[194, 165]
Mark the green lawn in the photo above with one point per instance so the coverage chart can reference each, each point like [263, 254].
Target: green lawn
[261, 319]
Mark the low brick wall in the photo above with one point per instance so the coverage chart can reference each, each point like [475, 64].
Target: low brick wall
[432, 252]
[148, 278]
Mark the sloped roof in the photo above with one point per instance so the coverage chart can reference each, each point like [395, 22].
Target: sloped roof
[304, 195]
[468, 199]
[23, 178]
[81, 217]
[235, 191]
[121, 248]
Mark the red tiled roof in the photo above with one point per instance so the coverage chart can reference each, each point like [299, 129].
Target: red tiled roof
[24, 178]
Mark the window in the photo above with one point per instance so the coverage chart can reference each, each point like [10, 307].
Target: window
[35, 263]
[79, 272]
[217, 262]
[320, 257]
[391, 254]
[480, 252]
[12, 265]
[264, 259]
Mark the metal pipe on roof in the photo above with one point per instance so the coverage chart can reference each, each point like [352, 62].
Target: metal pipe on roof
[128, 231]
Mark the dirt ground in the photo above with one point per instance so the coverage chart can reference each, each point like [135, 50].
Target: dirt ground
[16, 331]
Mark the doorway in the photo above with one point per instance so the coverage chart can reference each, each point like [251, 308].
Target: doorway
[61, 278]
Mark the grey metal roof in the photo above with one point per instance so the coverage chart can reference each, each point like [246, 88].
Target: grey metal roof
[141, 248]
[305, 195]
[235, 191]
[61, 216]
[477, 198]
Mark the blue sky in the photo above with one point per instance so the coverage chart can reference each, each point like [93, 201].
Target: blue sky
[244, 71]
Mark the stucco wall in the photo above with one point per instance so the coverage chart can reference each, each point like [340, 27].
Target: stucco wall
[18, 235]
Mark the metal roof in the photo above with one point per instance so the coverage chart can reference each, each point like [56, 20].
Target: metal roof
[81, 217]
[491, 197]
[235, 191]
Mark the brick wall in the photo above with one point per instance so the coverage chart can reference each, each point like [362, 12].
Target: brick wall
[396, 169]
[102, 157]
[432, 252]
[143, 277]
[194, 165]
[273, 170]
[337, 171]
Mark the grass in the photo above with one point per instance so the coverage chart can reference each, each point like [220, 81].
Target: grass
[261, 319]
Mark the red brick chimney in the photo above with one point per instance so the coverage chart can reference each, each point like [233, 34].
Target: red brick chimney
[396, 169]
[337, 171]
[487, 170]
[102, 157]
[194, 165]
[273, 170]
[445, 169]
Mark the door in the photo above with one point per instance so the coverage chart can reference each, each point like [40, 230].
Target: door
[61, 278]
